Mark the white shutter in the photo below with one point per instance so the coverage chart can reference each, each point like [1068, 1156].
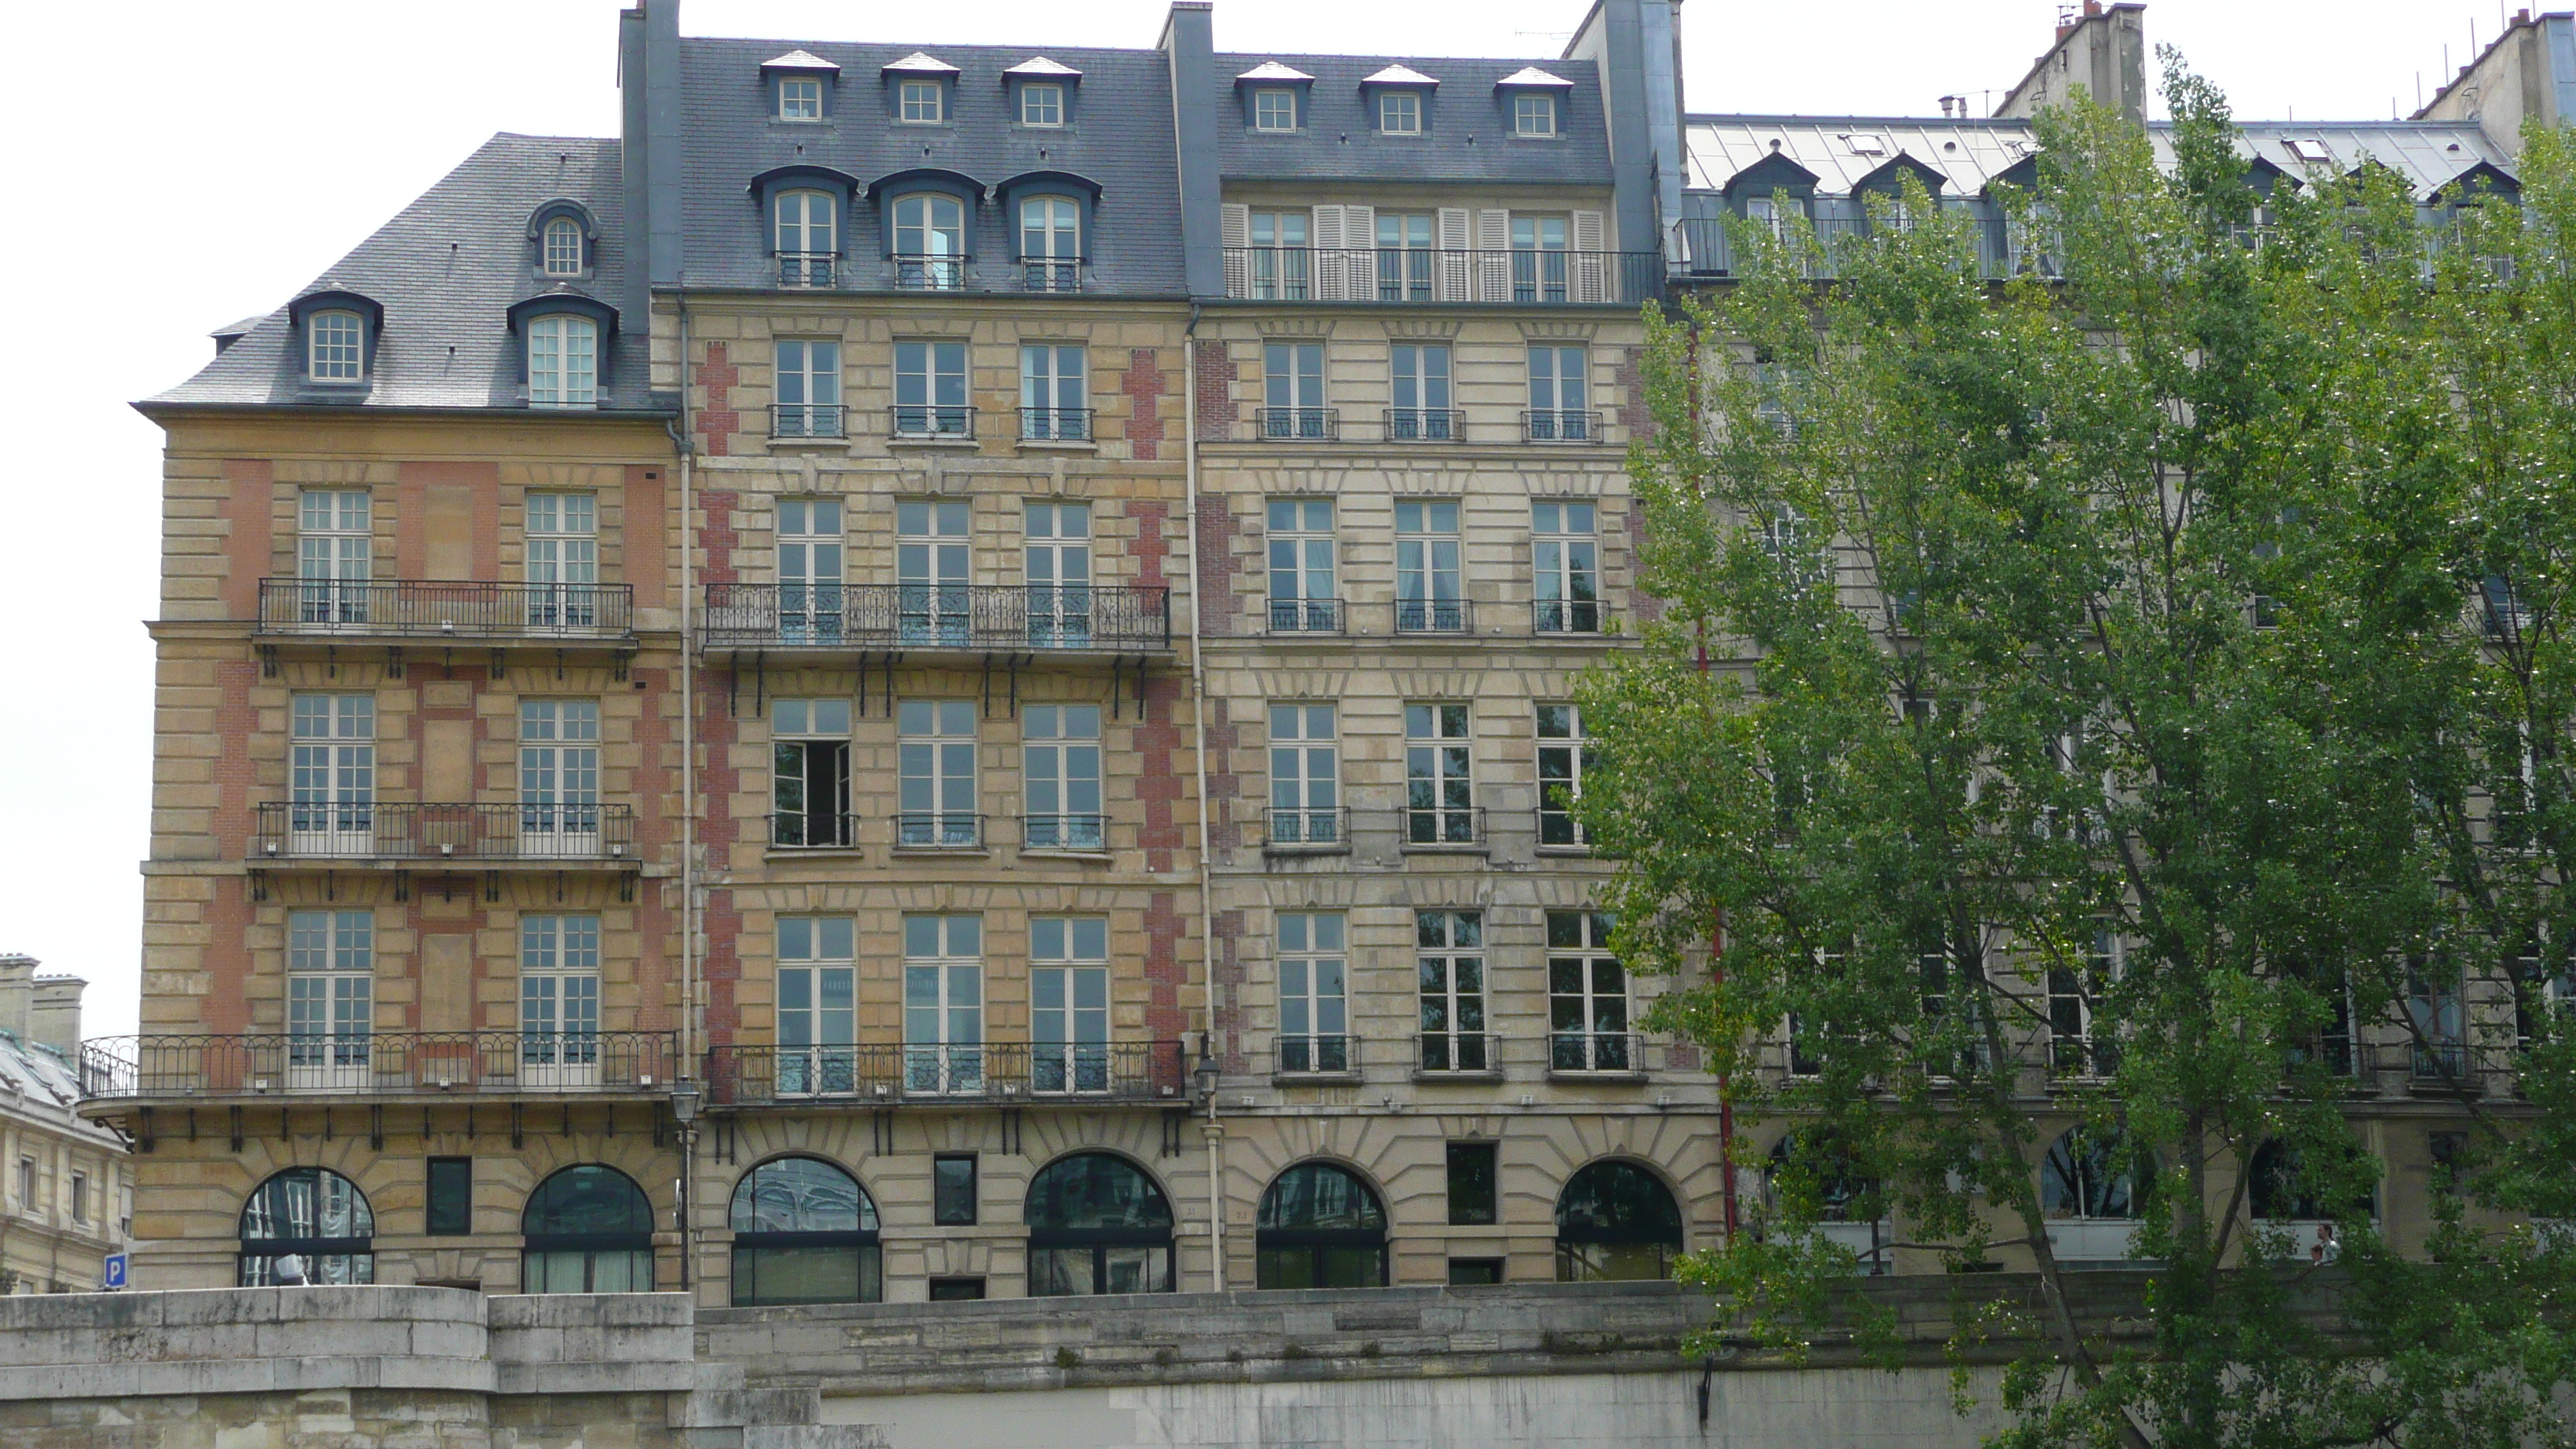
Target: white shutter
[1455, 242]
[1328, 254]
[1493, 256]
[1359, 259]
[1234, 233]
[1594, 279]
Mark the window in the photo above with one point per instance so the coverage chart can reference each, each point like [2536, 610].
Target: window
[1533, 115]
[80, 1197]
[27, 1185]
[564, 247]
[1301, 567]
[2303, 148]
[1293, 391]
[1475, 1272]
[810, 596]
[450, 1197]
[956, 1290]
[563, 362]
[1399, 113]
[330, 998]
[1279, 259]
[2072, 1049]
[1428, 595]
[1403, 256]
[1060, 777]
[922, 102]
[334, 554]
[1566, 587]
[931, 553]
[587, 1229]
[2094, 1174]
[809, 390]
[559, 1000]
[1320, 1227]
[1472, 1175]
[1449, 959]
[817, 1005]
[1056, 569]
[335, 347]
[1422, 409]
[1587, 997]
[1556, 393]
[331, 775]
[804, 1231]
[563, 560]
[1069, 1004]
[943, 1004]
[930, 391]
[1041, 104]
[1439, 784]
[1314, 1011]
[809, 775]
[559, 778]
[953, 1196]
[1616, 1222]
[935, 775]
[1097, 1224]
[808, 237]
[1564, 754]
[1054, 403]
[1051, 243]
[1850, 1206]
[2436, 1019]
[314, 1216]
[1274, 110]
[930, 241]
[1305, 776]
[1866, 144]
[800, 98]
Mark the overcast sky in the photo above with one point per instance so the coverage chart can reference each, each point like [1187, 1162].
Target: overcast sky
[176, 164]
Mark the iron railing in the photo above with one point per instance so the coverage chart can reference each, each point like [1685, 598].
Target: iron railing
[1434, 616]
[295, 1064]
[932, 420]
[1569, 616]
[948, 1072]
[1429, 827]
[1064, 832]
[381, 830]
[1001, 617]
[1308, 424]
[1560, 425]
[807, 420]
[1458, 1054]
[437, 609]
[1055, 425]
[1321, 828]
[1327, 1054]
[938, 830]
[1305, 616]
[1434, 275]
[1425, 425]
[929, 271]
[813, 830]
[1586, 1052]
[1050, 275]
[808, 269]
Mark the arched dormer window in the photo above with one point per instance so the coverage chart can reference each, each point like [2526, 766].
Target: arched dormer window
[563, 248]
[563, 239]
[804, 1231]
[927, 222]
[316, 1215]
[801, 209]
[1050, 215]
[565, 336]
[338, 332]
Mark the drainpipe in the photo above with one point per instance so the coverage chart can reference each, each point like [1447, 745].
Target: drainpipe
[1198, 754]
[680, 435]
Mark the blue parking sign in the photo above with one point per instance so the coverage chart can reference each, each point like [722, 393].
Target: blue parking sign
[114, 1277]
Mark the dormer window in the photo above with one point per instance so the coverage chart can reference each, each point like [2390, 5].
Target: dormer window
[1040, 91]
[1533, 100]
[563, 247]
[1533, 114]
[563, 361]
[1399, 113]
[923, 102]
[1274, 108]
[800, 98]
[1042, 105]
[336, 347]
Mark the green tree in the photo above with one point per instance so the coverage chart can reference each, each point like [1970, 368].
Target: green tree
[2133, 693]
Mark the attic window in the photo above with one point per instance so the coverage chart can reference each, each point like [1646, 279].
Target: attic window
[800, 98]
[1534, 114]
[1274, 109]
[923, 102]
[1399, 113]
[1042, 105]
[563, 255]
[337, 346]
[2307, 148]
[1866, 144]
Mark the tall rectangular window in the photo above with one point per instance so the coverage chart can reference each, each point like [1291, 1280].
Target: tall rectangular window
[930, 391]
[1051, 244]
[563, 361]
[807, 237]
[1305, 776]
[943, 1004]
[1399, 113]
[1280, 262]
[331, 775]
[1314, 1005]
[1565, 555]
[1421, 381]
[335, 549]
[1274, 109]
[80, 1197]
[1472, 1174]
[330, 996]
[817, 1004]
[559, 996]
[559, 778]
[923, 102]
[811, 600]
[1430, 597]
[809, 389]
[1404, 256]
[2073, 1049]
[1439, 779]
[2438, 1020]
[1557, 393]
[1041, 104]
[1060, 777]
[1069, 1004]
[1564, 754]
[1055, 405]
[451, 1197]
[809, 775]
[800, 98]
[1056, 568]
[1293, 391]
[1587, 996]
[935, 775]
[934, 602]
[1302, 581]
[562, 562]
[953, 1197]
[1449, 960]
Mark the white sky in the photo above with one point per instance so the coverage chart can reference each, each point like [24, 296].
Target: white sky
[175, 164]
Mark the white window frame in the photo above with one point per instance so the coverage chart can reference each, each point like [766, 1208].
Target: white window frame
[563, 361]
[1281, 266]
[1060, 769]
[797, 729]
[943, 1004]
[1399, 113]
[334, 555]
[331, 775]
[921, 102]
[1069, 1005]
[1055, 568]
[561, 538]
[935, 775]
[559, 986]
[1314, 993]
[335, 346]
[1305, 774]
[1450, 982]
[930, 398]
[330, 998]
[1274, 109]
[1050, 238]
[1292, 390]
[1564, 753]
[1565, 566]
[934, 570]
[1430, 566]
[1304, 572]
[559, 814]
[930, 236]
[565, 250]
[800, 98]
[1591, 1016]
[1055, 395]
[811, 564]
[1042, 104]
[807, 386]
[1440, 773]
[807, 224]
[817, 1005]
[1423, 374]
[1406, 255]
[1534, 114]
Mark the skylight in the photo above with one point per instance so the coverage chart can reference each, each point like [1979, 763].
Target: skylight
[1866, 144]
[2308, 148]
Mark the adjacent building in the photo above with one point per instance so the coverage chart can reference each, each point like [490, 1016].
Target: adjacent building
[65, 1197]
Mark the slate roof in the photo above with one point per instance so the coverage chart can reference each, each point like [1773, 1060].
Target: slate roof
[1466, 127]
[40, 1084]
[446, 270]
[1120, 137]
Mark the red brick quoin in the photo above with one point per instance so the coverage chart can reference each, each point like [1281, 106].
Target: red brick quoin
[718, 421]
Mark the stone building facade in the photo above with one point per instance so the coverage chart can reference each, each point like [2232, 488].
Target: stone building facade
[65, 1195]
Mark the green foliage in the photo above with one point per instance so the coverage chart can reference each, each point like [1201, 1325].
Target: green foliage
[2201, 589]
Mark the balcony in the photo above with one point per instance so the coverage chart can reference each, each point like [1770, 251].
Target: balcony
[809, 269]
[1457, 1056]
[1319, 830]
[1443, 827]
[1425, 276]
[813, 830]
[947, 1073]
[1425, 425]
[404, 611]
[1596, 1054]
[1560, 425]
[384, 834]
[1071, 834]
[931, 423]
[808, 420]
[1055, 425]
[1435, 616]
[1049, 275]
[929, 272]
[1306, 616]
[1330, 1055]
[1317, 425]
[966, 618]
[939, 830]
[1569, 616]
[195, 1068]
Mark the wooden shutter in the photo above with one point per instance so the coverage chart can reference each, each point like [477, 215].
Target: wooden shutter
[1595, 276]
[1493, 256]
[1455, 241]
[1234, 233]
[1359, 257]
[1328, 254]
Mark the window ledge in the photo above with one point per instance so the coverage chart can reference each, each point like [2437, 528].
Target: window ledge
[1046, 852]
[1436, 847]
[1571, 852]
[1058, 445]
[1298, 850]
[817, 445]
[958, 445]
[1631, 1077]
[1315, 1079]
[1485, 1075]
[812, 852]
[935, 852]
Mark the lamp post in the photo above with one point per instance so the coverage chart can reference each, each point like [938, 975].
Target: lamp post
[1203, 1080]
[684, 1110]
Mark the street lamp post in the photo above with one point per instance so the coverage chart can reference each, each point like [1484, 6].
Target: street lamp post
[684, 1110]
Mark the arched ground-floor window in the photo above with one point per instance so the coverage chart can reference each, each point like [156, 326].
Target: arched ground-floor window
[804, 1231]
[1321, 1227]
[318, 1216]
[588, 1229]
[1615, 1221]
[1097, 1224]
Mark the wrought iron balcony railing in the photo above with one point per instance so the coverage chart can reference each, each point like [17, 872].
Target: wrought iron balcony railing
[930, 272]
[1321, 425]
[1430, 827]
[809, 269]
[1595, 1052]
[1305, 616]
[808, 420]
[1433, 275]
[1435, 616]
[1458, 1054]
[938, 830]
[1008, 618]
[1045, 274]
[554, 834]
[813, 830]
[1055, 425]
[1317, 1054]
[1425, 425]
[1320, 828]
[296, 1064]
[1569, 616]
[1560, 425]
[438, 609]
[1083, 833]
[933, 420]
[947, 1072]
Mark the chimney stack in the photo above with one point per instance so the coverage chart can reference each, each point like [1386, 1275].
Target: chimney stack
[54, 1020]
[17, 993]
